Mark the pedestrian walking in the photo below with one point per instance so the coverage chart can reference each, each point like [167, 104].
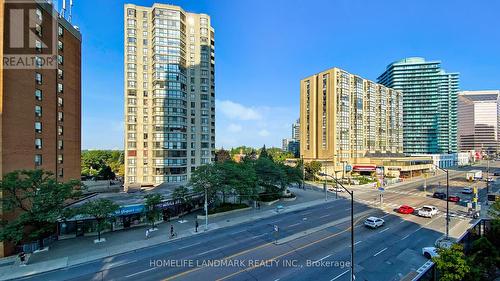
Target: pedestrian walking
[22, 258]
[196, 226]
[147, 233]
[172, 233]
[258, 205]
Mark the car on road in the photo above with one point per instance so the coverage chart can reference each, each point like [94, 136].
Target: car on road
[430, 252]
[439, 195]
[405, 209]
[374, 222]
[428, 211]
[490, 179]
[496, 173]
[454, 198]
[467, 190]
[335, 189]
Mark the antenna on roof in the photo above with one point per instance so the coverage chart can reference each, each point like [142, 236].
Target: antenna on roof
[70, 9]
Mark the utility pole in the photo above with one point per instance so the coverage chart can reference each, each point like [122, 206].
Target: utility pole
[206, 210]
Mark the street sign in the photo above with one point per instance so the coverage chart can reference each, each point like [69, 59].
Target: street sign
[348, 168]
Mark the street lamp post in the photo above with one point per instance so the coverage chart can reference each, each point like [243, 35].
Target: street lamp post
[447, 201]
[351, 193]
[206, 210]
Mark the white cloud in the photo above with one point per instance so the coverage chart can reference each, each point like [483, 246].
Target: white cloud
[264, 133]
[237, 111]
[234, 128]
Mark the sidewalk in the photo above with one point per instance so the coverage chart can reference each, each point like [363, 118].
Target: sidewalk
[71, 252]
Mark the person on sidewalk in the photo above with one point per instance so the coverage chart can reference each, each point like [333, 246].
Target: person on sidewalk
[196, 226]
[258, 205]
[22, 258]
[147, 233]
[172, 233]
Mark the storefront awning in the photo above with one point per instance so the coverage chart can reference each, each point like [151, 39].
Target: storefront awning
[364, 168]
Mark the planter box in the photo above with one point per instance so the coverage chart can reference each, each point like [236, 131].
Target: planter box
[200, 217]
[289, 198]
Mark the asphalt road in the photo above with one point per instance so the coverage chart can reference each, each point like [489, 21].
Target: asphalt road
[248, 251]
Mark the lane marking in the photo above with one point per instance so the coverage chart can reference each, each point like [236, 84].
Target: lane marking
[384, 230]
[200, 254]
[140, 272]
[357, 243]
[323, 258]
[338, 276]
[191, 245]
[407, 235]
[380, 252]
[295, 224]
[324, 216]
[385, 215]
[347, 209]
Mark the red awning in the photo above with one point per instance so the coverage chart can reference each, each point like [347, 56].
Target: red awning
[364, 168]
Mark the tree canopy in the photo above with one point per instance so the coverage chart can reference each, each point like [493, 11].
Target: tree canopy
[103, 164]
[451, 263]
[41, 200]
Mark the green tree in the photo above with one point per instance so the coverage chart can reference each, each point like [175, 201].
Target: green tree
[222, 155]
[263, 153]
[102, 210]
[181, 193]
[485, 258]
[39, 198]
[152, 211]
[451, 263]
[494, 211]
[278, 155]
[206, 178]
[311, 169]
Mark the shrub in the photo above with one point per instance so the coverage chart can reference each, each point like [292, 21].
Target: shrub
[225, 207]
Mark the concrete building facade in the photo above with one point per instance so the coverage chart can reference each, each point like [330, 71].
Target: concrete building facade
[478, 113]
[169, 93]
[344, 117]
[429, 104]
[40, 103]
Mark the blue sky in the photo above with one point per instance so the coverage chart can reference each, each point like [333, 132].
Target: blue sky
[264, 48]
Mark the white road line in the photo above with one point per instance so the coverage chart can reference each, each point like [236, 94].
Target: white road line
[324, 216]
[402, 221]
[261, 235]
[209, 251]
[325, 257]
[380, 252]
[385, 215]
[191, 245]
[347, 209]
[357, 243]
[407, 235]
[140, 272]
[305, 214]
[295, 224]
[384, 230]
[338, 276]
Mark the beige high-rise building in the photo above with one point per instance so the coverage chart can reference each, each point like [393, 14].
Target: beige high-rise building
[169, 93]
[478, 119]
[344, 118]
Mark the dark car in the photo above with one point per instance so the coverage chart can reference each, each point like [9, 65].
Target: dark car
[496, 173]
[439, 195]
[454, 198]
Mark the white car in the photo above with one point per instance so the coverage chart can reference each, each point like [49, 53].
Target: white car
[430, 252]
[374, 222]
[336, 189]
[428, 211]
[467, 190]
[490, 179]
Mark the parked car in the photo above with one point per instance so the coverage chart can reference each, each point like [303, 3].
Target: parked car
[454, 198]
[428, 211]
[405, 209]
[336, 189]
[467, 190]
[490, 179]
[374, 222]
[430, 252]
[439, 195]
[496, 173]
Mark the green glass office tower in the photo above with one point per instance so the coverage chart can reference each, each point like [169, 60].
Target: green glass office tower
[429, 104]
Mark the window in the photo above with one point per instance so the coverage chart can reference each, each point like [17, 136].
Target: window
[38, 15]
[38, 160]
[60, 101]
[59, 159]
[38, 111]
[38, 46]
[38, 94]
[60, 60]
[38, 143]
[60, 144]
[60, 130]
[38, 78]
[60, 74]
[60, 173]
[60, 116]
[59, 45]
[38, 127]
[59, 87]
[60, 31]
